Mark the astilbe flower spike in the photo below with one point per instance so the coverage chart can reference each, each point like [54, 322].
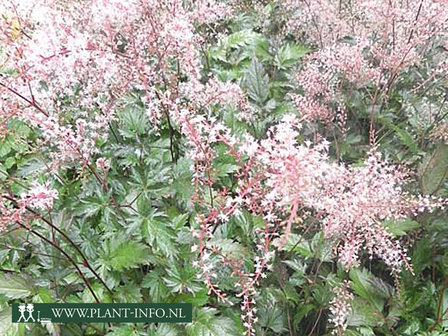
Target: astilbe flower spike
[360, 42]
[93, 53]
[340, 307]
[283, 181]
[40, 197]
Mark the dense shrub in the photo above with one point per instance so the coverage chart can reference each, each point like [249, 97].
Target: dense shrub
[281, 165]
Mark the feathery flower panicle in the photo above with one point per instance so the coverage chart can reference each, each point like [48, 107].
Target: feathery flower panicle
[360, 42]
[72, 64]
[340, 307]
[283, 181]
[40, 196]
[96, 54]
[13, 210]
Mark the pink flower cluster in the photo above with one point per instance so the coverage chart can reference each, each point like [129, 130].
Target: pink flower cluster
[340, 307]
[440, 133]
[360, 42]
[40, 196]
[284, 182]
[93, 55]
[13, 210]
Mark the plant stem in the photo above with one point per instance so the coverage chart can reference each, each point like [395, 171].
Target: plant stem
[81, 274]
[85, 261]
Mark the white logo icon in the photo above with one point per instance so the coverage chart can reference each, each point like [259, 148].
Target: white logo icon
[22, 308]
[26, 308]
[30, 310]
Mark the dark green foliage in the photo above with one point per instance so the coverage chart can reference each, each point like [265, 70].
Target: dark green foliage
[135, 230]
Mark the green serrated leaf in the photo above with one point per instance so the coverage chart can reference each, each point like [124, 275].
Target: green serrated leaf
[434, 170]
[128, 293]
[5, 146]
[271, 313]
[7, 328]
[289, 54]
[406, 138]
[206, 322]
[14, 286]
[362, 285]
[121, 255]
[157, 288]
[364, 314]
[197, 299]
[299, 245]
[182, 279]
[124, 330]
[256, 81]
[421, 255]
[134, 121]
[399, 228]
[230, 248]
[224, 169]
[159, 236]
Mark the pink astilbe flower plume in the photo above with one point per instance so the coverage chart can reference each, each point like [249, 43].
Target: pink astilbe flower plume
[360, 42]
[340, 307]
[95, 53]
[15, 209]
[68, 68]
[284, 182]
